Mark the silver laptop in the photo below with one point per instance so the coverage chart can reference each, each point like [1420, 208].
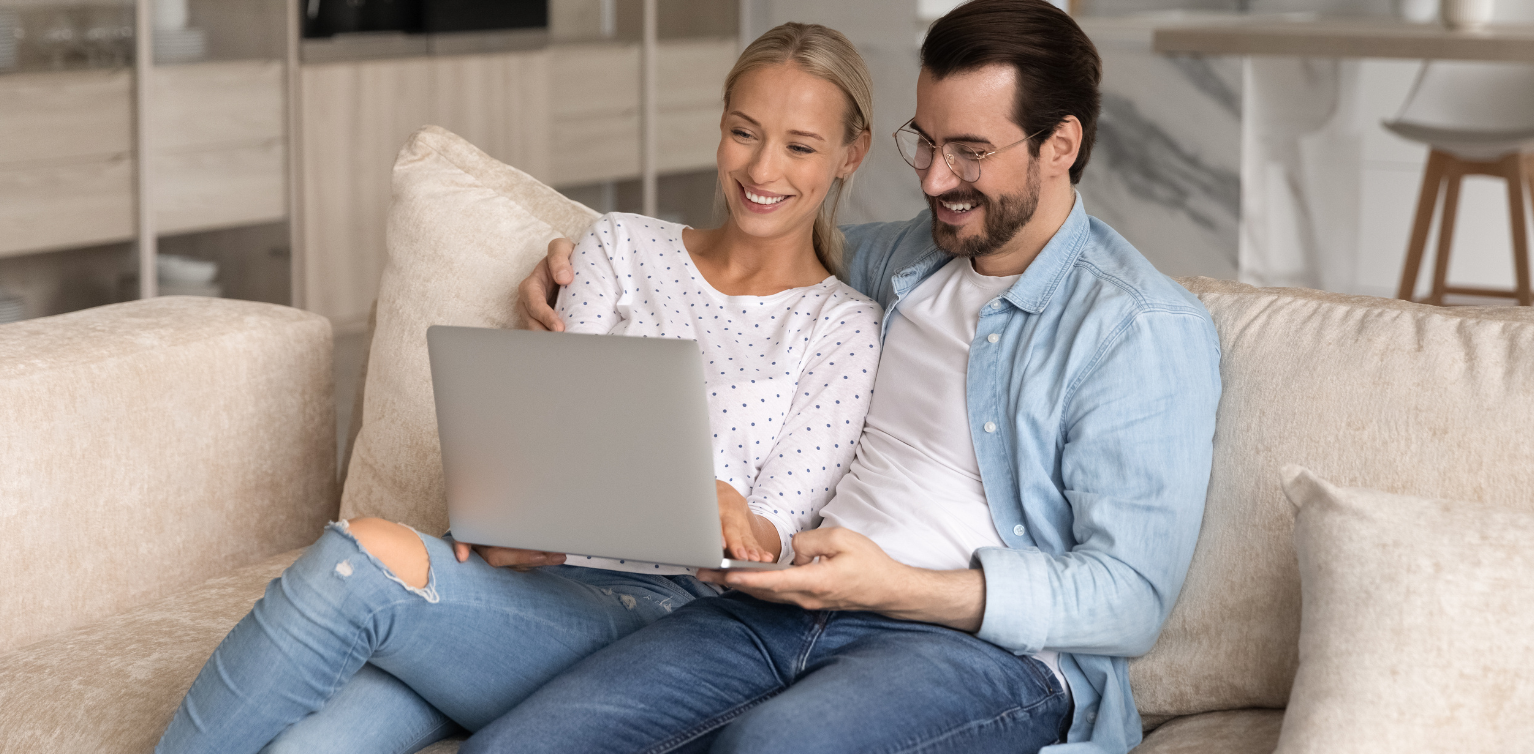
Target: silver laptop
[582, 444]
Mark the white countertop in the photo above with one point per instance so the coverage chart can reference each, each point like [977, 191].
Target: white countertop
[1341, 37]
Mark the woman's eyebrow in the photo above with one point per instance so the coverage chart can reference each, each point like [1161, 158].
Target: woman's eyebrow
[753, 121]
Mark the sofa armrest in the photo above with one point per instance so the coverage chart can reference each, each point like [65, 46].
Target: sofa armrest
[149, 446]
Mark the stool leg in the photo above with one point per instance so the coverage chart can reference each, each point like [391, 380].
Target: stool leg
[1445, 236]
[1513, 165]
[1427, 201]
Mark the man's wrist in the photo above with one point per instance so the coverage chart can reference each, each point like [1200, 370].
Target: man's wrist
[955, 599]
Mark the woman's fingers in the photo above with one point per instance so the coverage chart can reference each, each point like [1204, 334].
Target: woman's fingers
[560, 251]
[461, 551]
[535, 296]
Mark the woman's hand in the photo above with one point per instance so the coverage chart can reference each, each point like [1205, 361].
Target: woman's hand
[508, 557]
[747, 536]
[537, 293]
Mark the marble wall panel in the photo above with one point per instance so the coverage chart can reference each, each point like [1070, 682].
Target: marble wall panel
[1165, 172]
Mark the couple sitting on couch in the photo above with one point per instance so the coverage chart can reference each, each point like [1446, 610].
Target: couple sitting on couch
[1015, 522]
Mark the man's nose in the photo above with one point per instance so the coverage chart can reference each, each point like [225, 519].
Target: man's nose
[939, 179]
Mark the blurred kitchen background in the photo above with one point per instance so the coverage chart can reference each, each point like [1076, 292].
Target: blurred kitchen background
[272, 126]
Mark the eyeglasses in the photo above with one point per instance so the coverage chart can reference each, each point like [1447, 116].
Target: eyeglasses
[963, 161]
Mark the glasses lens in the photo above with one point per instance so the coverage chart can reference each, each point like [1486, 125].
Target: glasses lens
[914, 149]
[962, 162]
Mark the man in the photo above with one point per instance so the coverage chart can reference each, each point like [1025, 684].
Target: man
[1028, 488]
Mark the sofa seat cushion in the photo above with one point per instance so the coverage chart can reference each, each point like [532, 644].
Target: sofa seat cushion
[1248, 731]
[114, 685]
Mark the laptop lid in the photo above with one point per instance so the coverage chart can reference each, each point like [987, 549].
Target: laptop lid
[583, 444]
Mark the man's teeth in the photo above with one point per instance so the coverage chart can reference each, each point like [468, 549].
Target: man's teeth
[958, 206]
[764, 200]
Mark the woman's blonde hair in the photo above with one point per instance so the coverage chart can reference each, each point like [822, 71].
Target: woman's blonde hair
[825, 54]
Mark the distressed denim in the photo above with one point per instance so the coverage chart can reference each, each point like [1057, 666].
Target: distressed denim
[737, 674]
[1092, 415]
[341, 656]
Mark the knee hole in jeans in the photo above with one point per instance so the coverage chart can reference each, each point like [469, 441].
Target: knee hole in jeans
[397, 547]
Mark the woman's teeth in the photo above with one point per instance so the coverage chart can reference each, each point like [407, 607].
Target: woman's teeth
[759, 199]
[958, 206]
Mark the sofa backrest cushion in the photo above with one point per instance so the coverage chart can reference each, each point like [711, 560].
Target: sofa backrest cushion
[464, 229]
[1367, 392]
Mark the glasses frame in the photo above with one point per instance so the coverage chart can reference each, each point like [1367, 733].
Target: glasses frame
[949, 157]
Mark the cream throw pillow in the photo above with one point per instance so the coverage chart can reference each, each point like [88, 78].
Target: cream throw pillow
[463, 230]
[1418, 623]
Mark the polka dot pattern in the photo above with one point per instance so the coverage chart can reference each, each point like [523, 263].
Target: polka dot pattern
[789, 376]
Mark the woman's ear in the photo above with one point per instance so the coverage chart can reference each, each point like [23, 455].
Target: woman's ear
[856, 151]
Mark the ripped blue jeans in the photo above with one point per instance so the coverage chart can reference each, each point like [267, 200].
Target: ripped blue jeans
[341, 656]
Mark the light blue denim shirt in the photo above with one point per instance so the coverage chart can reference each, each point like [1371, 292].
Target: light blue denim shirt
[1102, 390]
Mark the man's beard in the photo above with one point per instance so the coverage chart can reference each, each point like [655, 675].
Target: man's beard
[1003, 218]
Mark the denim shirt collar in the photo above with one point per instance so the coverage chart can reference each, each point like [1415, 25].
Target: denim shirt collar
[1037, 285]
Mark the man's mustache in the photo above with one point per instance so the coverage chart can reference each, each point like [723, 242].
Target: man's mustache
[960, 196]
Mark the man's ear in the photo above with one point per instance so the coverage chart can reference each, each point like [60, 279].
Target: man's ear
[856, 151]
[1058, 153]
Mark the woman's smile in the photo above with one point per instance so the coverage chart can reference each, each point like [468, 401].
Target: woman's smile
[759, 201]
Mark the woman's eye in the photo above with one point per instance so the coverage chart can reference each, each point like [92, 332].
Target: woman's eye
[801, 149]
[739, 134]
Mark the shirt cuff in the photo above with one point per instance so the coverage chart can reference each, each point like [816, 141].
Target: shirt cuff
[785, 533]
[1018, 602]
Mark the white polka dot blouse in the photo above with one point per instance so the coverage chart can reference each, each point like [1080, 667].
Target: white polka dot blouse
[789, 376]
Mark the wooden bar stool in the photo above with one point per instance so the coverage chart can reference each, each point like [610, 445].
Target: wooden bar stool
[1476, 118]
[1445, 169]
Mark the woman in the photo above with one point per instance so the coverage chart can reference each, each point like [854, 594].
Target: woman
[379, 639]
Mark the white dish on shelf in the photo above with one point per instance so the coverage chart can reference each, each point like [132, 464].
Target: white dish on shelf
[180, 45]
[172, 288]
[8, 26]
[174, 268]
[12, 310]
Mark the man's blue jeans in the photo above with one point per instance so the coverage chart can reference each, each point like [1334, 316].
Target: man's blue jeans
[341, 656]
[736, 674]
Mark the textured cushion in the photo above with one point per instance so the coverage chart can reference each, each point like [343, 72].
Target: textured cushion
[1237, 732]
[120, 680]
[147, 446]
[463, 230]
[1368, 392]
[1418, 629]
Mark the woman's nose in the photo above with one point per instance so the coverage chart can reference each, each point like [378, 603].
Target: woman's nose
[763, 168]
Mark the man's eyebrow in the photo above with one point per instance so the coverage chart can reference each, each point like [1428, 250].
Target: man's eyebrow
[753, 121]
[964, 138]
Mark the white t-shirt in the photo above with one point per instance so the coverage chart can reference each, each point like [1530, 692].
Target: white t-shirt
[914, 487]
[788, 377]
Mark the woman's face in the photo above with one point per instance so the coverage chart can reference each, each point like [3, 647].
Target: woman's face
[781, 148]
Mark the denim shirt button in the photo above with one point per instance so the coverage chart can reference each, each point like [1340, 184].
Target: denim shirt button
[990, 426]
[992, 338]
[1019, 530]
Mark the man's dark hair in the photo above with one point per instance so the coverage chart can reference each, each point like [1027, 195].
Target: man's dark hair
[1058, 69]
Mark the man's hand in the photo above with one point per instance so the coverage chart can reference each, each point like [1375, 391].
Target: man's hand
[747, 536]
[839, 569]
[508, 557]
[537, 293]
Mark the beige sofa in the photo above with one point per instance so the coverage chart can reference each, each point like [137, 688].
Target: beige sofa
[161, 460]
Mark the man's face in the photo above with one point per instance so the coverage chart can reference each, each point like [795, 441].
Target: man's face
[973, 109]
